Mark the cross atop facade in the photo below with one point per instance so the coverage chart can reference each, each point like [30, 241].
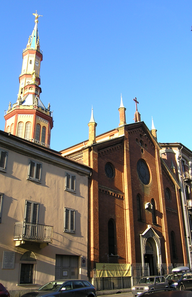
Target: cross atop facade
[136, 102]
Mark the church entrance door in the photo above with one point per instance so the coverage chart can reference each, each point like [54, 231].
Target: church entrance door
[150, 256]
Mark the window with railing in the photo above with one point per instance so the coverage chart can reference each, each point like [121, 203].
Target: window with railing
[31, 218]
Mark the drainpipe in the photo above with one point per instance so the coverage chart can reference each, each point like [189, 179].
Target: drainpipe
[184, 206]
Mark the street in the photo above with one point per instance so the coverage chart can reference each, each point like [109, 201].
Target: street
[123, 294]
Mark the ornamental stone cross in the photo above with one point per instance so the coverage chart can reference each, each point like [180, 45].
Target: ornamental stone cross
[136, 102]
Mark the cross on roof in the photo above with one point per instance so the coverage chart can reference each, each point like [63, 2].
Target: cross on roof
[36, 16]
[136, 102]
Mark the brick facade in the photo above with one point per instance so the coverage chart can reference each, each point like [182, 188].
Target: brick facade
[114, 191]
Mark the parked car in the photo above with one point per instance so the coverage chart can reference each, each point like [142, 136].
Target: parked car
[180, 278]
[3, 291]
[167, 294]
[150, 283]
[65, 288]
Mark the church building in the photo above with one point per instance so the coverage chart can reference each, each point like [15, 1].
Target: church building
[99, 210]
[133, 229]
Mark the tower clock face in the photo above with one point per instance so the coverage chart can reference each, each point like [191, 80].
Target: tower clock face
[36, 63]
[143, 171]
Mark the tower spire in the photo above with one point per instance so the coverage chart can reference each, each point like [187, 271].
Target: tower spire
[153, 130]
[122, 110]
[92, 129]
[29, 118]
[33, 41]
[92, 120]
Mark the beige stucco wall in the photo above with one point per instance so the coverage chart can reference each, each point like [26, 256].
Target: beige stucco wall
[53, 197]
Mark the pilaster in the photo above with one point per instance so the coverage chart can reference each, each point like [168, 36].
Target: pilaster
[163, 208]
[130, 248]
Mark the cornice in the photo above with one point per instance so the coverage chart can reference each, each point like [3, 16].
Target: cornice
[35, 151]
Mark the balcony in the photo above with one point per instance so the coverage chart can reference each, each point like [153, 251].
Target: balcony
[186, 176]
[189, 204]
[27, 232]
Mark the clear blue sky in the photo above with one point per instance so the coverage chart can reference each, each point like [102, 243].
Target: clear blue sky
[94, 50]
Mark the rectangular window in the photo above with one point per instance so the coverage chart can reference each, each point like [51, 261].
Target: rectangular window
[3, 160]
[34, 171]
[70, 182]
[1, 206]
[69, 225]
[26, 276]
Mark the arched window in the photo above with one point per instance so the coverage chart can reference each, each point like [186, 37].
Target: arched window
[153, 211]
[37, 133]
[8, 129]
[12, 127]
[173, 245]
[167, 194]
[27, 130]
[43, 134]
[139, 213]
[111, 237]
[20, 129]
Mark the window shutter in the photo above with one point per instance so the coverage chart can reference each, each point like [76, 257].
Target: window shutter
[72, 221]
[35, 213]
[67, 181]
[38, 171]
[3, 157]
[32, 169]
[66, 227]
[73, 181]
[28, 212]
[1, 206]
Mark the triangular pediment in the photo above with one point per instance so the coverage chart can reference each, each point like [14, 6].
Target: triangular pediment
[150, 232]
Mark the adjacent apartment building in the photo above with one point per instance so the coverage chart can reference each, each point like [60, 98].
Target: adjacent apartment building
[43, 215]
[179, 159]
[43, 196]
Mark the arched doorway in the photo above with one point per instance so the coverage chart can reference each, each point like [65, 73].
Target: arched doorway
[150, 256]
[150, 252]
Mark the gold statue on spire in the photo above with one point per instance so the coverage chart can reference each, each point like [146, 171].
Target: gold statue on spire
[36, 16]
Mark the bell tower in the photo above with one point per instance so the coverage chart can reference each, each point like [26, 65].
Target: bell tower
[28, 117]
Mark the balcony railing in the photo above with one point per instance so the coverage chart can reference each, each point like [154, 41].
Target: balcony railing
[33, 232]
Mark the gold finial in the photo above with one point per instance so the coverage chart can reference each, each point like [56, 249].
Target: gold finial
[36, 16]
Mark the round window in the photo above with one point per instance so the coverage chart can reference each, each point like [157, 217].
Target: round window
[109, 170]
[143, 171]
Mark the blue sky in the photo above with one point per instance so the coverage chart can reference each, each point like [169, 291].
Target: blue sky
[94, 50]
